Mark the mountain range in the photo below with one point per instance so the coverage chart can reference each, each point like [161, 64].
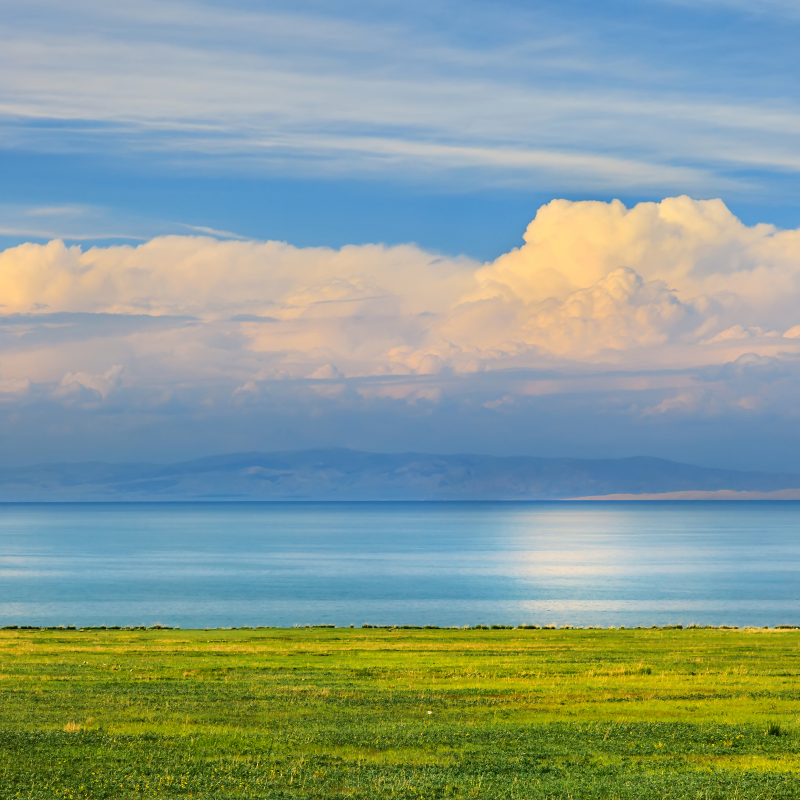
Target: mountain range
[341, 474]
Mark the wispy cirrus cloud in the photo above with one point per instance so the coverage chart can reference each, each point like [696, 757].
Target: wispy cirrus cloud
[315, 92]
[78, 223]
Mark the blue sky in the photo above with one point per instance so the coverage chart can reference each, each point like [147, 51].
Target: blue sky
[392, 122]
[446, 125]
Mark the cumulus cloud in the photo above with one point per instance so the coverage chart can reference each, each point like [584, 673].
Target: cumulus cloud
[78, 382]
[590, 277]
[696, 246]
[701, 310]
[209, 278]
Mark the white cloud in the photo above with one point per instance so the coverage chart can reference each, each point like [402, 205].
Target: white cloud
[76, 383]
[326, 372]
[695, 246]
[683, 403]
[210, 278]
[14, 388]
[678, 296]
[316, 90]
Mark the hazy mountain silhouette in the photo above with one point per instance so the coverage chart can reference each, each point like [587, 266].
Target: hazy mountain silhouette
[339, 474]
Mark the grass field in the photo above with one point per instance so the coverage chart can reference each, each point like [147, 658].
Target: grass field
[692, 713]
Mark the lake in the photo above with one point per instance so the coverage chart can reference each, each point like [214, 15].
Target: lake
[283, 564]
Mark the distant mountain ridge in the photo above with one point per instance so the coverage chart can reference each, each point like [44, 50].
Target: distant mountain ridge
[341, 474]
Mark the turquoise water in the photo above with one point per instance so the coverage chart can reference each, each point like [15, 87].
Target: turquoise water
[215, 565]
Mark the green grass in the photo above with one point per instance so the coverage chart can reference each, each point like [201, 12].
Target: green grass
[693, 713]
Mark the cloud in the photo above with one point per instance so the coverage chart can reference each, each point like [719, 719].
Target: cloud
[208, 278]
[752, 375]
[617, 312]
[326, 372]
[312, 89]
[695, 246]
[592, 281]
[593, 276]
[658, 313]
[14, 388]
[104, 385]
[683, 403]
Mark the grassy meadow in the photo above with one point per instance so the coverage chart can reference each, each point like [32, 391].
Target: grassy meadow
[380, 713]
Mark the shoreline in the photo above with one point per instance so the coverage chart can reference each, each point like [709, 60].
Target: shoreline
[368, 627]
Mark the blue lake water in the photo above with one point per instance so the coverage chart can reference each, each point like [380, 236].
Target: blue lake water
[223, 565]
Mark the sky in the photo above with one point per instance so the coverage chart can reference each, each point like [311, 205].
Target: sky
[546, 228]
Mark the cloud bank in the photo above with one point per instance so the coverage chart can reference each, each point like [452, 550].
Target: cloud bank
[662, 314]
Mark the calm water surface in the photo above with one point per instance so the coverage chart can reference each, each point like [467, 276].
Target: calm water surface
[214, 565]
